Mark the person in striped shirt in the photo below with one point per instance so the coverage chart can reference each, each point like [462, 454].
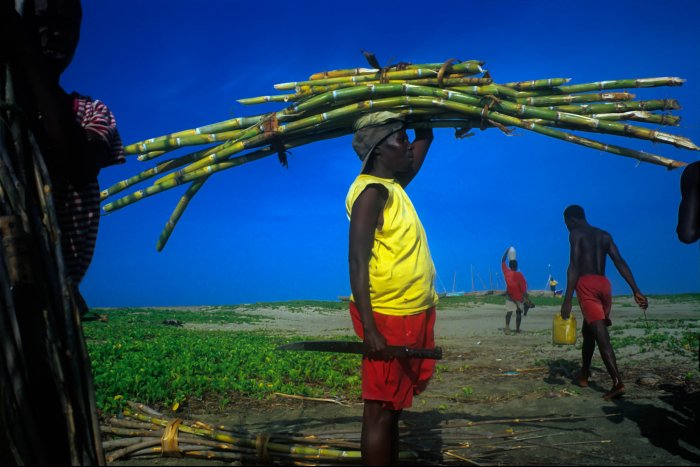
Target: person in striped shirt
[78, 135]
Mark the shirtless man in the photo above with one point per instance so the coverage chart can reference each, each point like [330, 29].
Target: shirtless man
[586, 274]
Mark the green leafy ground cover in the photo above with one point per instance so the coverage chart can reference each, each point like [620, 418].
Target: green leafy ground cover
[136, 357]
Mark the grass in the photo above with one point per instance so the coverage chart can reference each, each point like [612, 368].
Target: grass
[678, 337]
[136, 357]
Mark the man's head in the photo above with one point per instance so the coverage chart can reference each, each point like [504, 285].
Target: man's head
[57, 25]
[513, 264]
[573, 216]
[383, 134]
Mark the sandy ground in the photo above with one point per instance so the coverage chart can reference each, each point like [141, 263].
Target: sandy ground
[489, 383]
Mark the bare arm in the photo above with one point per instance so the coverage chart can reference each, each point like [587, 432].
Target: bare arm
[424, 137]
[626, 274]
[364, 220]
[572, 275]
[688, 228]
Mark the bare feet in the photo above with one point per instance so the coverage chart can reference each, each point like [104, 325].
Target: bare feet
[582, 379]
[506, 331]
[616, 391]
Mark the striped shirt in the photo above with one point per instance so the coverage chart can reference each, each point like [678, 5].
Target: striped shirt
[78, 208]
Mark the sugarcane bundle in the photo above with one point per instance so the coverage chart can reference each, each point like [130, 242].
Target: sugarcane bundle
[459, 95]
[143, 433]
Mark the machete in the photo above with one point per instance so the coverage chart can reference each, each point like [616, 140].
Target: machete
[359, 348]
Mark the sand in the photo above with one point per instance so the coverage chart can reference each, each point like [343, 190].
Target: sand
[519, 382]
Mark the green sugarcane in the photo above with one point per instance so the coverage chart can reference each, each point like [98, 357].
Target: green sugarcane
[177, 212]
[468, 66]
[351, 93]
[612, 107]
[411, 73]
[573, 98]
[227, 125]
[150, 173]
[307, 91]
[390, 102]
[166, 144]
[635, 115]
[507, 107]
[607, 85]
[538, 83]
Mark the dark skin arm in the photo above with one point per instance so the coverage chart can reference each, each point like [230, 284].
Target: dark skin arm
[572, 274]
[626, 274]
[688, 228]
[365, 218]
[424, 137]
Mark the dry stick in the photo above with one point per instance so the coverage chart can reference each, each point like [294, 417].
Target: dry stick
[145, 409]
[130, 449]
[129, 432]
[469, 461]
[318, 399]
[124, 423]
[125, 442]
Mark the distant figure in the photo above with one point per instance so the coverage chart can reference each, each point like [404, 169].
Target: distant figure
[586, 274]
[78, 132]
[391, 276]
[517, 298]
[688, 228]
[553, 285]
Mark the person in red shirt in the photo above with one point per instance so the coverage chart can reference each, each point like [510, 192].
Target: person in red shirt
[516, 292]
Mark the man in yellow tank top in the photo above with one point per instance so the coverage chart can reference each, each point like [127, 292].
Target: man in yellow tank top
[391, 277]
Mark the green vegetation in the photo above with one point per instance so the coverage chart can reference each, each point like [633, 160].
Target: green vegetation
[676, 336]
[137, 357]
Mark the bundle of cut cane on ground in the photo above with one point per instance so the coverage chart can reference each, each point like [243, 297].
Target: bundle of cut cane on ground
[145, 433]
[460, 95]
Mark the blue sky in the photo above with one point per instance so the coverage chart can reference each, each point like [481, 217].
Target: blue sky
[261, 232]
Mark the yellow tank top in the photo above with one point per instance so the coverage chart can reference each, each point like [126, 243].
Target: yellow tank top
[401, 270]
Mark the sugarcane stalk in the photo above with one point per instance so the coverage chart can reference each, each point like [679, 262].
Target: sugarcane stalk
[587, 109]
[150, 173]
[537, 84]
[607, 85]
[182, 178]
[634, 115]
[431, 95]
[113, 444]
[147, 156]
[169, 180]
[573, 98]
[118, 454]
[308, 90]
[467, 66]
[227, 125]
[407, 74]
[177, 212]
[165, 144]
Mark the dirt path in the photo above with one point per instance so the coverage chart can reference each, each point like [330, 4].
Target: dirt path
[489, 384]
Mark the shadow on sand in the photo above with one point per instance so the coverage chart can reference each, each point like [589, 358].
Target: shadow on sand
[677, 430]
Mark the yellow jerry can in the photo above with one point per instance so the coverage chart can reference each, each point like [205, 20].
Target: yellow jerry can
[564, 330]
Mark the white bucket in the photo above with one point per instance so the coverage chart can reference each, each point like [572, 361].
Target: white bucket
[511, 254]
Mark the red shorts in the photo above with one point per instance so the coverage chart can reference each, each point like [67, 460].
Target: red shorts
[396, 381]
[595, 298]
